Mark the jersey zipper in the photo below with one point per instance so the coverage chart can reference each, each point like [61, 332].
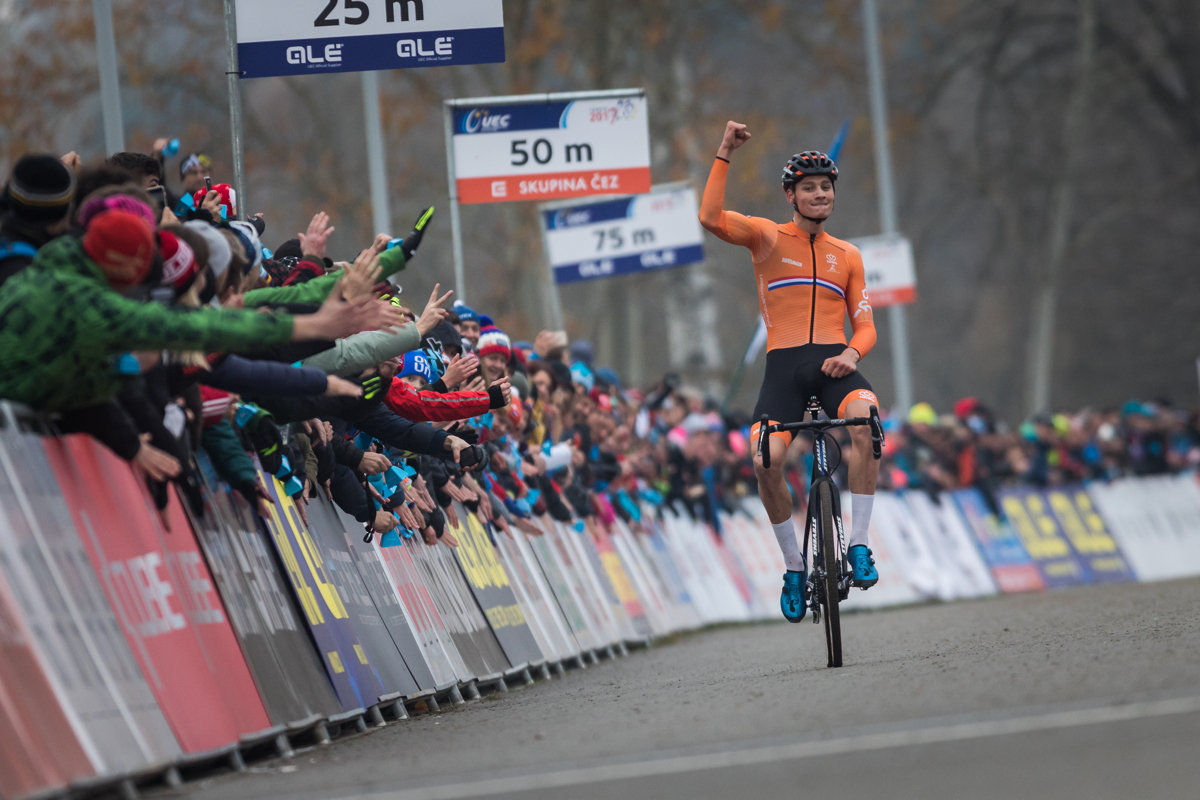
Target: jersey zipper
[812, 316]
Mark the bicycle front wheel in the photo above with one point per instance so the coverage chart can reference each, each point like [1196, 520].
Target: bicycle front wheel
[831, 562]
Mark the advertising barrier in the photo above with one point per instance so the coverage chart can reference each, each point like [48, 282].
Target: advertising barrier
[489, 584]
[163, 596]
[130, 639]
[354, 678]
[265, 618]
[75, 633]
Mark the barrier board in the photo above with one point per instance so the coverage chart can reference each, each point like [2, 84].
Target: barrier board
[472, 637]
[372, 632]
[290, 679]
[1072, 509]
[350, 671]
[659, 558]
[38, 748]
[88, 662]
[892, 522]
[544, 552]
[1001, 548]
[1027, 511]
[387, 601]
[951, 545]
[893, 587]
[437, 646]
[597, 588]
[162, 595]
[1156, 521]
[659, 612]
[619, 580]
[529, 599]
[492, 590]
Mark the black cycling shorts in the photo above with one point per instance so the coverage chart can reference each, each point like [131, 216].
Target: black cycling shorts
[794, 375]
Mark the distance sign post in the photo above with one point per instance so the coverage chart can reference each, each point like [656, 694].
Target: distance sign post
[544, 147]
[890, 272]
[589, 239]
[303, 37]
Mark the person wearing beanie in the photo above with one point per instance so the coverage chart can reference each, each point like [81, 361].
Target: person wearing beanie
[33, 209]
[468, 324]
[180, 265]
[581, 350]
[63, 324]
[121, 243]
[148, 169]
[494, 349]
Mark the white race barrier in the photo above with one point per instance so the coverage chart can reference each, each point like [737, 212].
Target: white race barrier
[1156, 521]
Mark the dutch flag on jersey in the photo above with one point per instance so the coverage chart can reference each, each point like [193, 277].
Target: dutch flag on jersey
[796, 280]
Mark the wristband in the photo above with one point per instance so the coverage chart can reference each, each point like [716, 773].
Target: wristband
[495, 397]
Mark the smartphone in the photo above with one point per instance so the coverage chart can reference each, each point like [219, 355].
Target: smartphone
[159, 193]
[208, 184]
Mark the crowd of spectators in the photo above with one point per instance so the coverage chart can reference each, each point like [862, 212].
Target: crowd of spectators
[160, 324]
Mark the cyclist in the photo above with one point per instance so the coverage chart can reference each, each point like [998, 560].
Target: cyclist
[808, 282]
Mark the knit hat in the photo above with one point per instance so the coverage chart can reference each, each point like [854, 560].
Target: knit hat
[219, 251]
[443, 337]
[114, 202]
[493, 340]
[581, 374]
[40, 188]
[415, 363]
[179, 261]
[192, 161]
[922, 414]
[122, 245]
[465, 313]
[228, 198]
[249, 235]
[581, 350]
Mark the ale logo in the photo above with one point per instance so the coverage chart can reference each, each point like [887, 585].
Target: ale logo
[305, 55]
[412, 48]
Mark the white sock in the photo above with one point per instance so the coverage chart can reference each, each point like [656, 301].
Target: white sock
[785, 534]
[860, 510]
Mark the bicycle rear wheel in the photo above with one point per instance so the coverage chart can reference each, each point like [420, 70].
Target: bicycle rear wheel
[831, 561]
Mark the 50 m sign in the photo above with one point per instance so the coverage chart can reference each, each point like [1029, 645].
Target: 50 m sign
[543, 151]
[299, 37]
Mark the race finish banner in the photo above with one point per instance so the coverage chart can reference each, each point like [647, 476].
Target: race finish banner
[889, 266]
[586, 240]
[547, 150]
[305, 37]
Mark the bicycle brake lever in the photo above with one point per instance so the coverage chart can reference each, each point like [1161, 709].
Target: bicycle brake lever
[764, 449]
[877, 440]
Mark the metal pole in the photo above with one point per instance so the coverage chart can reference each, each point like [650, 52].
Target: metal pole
[897, 315]
[1041, 343]
[110, 80]
[455, 220]
[233, 78]
[553, 300]
[376, 163]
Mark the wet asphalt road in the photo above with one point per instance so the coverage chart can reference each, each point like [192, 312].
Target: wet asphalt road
[1088, 693]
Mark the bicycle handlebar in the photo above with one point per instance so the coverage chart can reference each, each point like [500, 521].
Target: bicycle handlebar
[765, 429]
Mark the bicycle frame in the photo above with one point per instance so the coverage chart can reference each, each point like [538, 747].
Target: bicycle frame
[820, 475]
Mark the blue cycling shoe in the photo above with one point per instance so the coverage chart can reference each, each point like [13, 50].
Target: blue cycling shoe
[865, 574]
[791, 602]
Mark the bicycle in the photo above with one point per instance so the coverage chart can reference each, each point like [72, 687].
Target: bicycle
[829, 581]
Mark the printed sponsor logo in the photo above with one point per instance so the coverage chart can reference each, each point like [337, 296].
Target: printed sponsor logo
[443, 48]
[793, 263]
[483, 121]
[831, 260]
[305, 55]
[567, 219]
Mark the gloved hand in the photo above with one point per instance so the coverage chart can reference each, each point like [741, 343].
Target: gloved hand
[413, 240]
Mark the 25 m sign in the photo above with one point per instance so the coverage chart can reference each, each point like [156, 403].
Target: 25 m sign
[301, 37]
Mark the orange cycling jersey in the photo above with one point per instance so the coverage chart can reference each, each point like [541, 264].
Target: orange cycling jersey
[806, 284]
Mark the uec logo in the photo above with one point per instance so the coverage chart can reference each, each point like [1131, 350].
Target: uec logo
[305, 55]
[410, 48]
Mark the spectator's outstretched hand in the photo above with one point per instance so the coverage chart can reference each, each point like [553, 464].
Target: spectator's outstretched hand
[212, 203]
[455, 446]
[549, 340]
[460, 368]
[157, 464]
[360, 279]
[381, 242]
[384, 521]
[72, 161]
[505, 387]
[433, 313]
[339, 318]
[314, 241]
[413, 240]
[340, 387]
[374, 464]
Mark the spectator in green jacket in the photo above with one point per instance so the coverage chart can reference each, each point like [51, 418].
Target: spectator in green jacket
[64, 324]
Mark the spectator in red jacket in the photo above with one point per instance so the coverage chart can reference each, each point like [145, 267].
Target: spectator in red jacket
[407, 396]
